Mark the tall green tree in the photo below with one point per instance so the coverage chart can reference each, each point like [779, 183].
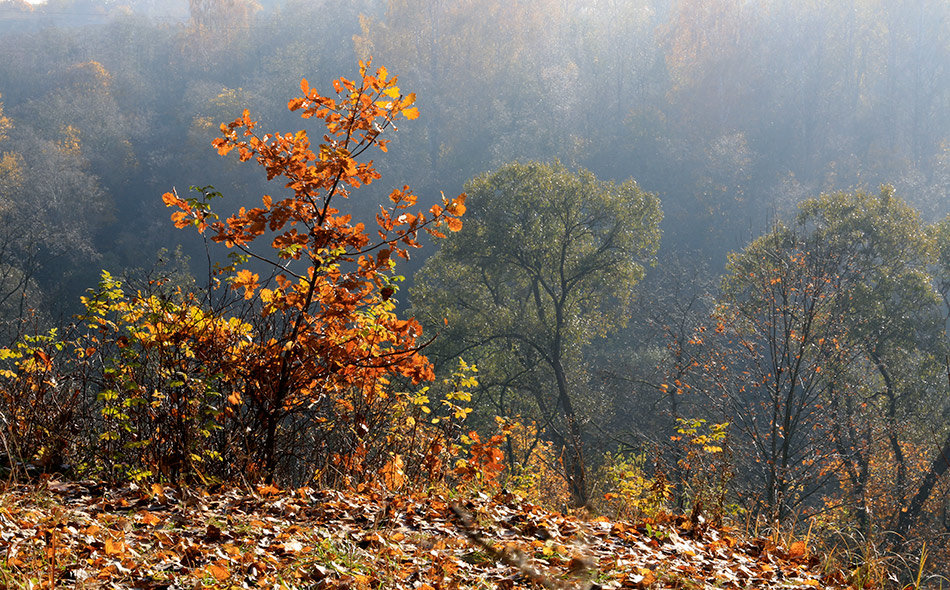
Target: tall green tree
[940, 461]
[892, 312]
[546, 264]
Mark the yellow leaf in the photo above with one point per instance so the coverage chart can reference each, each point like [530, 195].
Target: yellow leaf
[114, 548]
[392, 92]
[411, 113]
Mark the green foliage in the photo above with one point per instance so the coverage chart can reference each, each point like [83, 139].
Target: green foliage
[534, 465]
[540, 238]
[632, 492]
[38, 412]
[940, 233]
[705, 466]
[545, 265]
[886, 257]
[164, 362]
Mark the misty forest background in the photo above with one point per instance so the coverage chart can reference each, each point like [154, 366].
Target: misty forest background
[805, 376]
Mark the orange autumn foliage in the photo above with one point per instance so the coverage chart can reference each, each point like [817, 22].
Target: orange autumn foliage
[333, 343]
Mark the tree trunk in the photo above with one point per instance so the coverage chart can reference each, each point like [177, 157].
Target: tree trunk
[576, 472]
[938, 467]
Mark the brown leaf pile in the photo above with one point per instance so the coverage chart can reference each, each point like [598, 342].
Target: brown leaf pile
[62, 535]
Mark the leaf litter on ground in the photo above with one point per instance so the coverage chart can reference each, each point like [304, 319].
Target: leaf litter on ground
[85, 535]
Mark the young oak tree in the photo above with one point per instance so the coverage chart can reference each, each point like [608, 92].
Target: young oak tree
[546, 263]
[328, 341]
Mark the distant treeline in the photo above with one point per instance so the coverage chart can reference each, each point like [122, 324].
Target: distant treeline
[731, 111]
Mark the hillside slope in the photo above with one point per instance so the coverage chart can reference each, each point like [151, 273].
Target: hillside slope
[64, 535]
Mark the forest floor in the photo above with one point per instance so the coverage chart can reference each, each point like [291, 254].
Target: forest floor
[83, 535]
